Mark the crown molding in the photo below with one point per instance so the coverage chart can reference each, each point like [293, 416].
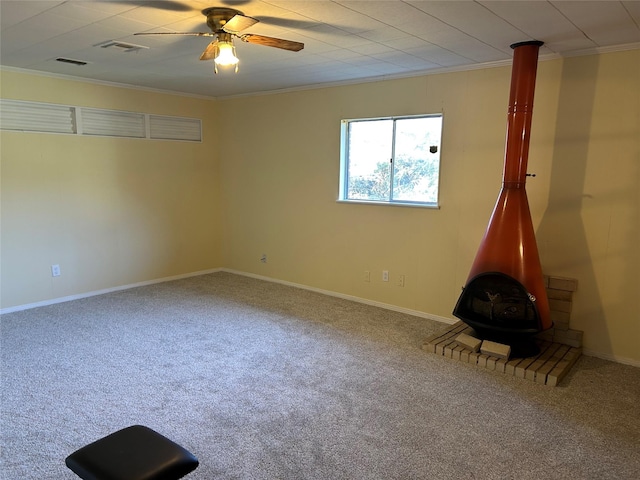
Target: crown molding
[379, 78]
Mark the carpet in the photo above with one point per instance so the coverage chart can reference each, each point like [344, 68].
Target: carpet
[265, 381]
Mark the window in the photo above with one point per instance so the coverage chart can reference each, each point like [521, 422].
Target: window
[392, 160]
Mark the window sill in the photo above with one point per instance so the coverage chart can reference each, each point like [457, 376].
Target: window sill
[430, 206]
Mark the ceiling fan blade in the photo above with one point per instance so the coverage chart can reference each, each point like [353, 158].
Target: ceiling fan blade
[193, 34]
[271, 42]
[169, 5]
[289, 22]
[238, 23]
[210, 52]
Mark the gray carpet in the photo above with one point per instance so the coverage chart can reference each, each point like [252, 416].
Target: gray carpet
[265, 381]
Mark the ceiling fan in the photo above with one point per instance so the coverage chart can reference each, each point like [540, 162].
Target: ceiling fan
[225, 24]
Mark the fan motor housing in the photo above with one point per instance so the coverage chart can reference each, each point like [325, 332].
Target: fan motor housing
[217, 17]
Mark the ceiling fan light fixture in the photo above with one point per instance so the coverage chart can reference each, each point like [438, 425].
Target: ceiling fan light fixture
[226, 23]
[225, 55]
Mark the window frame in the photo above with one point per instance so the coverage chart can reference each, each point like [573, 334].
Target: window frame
[343, 193]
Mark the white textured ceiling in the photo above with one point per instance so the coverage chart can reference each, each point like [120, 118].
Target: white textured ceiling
[345, 41]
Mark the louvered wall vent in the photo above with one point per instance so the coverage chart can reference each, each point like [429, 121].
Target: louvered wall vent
[21, 116]
[112, 123]
[174, 128]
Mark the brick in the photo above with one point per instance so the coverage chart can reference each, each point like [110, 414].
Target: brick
[464, 356]
[550, 364]
[500, 364]
[560, 317]
[546, 335]
[482, 360]
[560, 320]
[455, 353]
[491, 363]
[532, 370]
[575, 334]
[562, 283]
[441, 338]
[495, 349]
[440, 347]
[437, 337]
[559, 294]
[467, 341]
[451, 330]
[560, 305]
[510, 367]
[446, 340]
[473, 358]
[563, 366]
[547, 368]
[569, 337]
[521, 368]
[448, 350]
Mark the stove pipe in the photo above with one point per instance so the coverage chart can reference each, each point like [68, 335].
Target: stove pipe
[507, 260]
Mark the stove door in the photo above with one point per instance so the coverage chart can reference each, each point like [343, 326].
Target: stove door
[496, 302]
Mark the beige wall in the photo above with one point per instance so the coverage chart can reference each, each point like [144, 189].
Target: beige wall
[281, 184]
[109, 211]
[149, 215]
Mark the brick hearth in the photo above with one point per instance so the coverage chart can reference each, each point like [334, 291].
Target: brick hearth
[560, 346]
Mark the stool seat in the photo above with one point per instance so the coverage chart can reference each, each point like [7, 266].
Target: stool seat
[133, 453]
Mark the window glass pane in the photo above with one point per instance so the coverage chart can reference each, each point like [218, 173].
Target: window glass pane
[417, 159]
[369, 166]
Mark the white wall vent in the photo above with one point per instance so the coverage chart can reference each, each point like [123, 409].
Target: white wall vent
[175, 128]
[112, 123]
[24, 116]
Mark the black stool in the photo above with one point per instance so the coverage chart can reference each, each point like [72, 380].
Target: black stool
[133, 453]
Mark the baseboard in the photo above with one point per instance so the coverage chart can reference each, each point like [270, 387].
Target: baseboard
[395, 308]
[386, 306]
[69, 298]
[612, 358]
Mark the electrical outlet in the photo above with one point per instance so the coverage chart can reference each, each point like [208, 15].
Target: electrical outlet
[400, 281]
[263, 258]
[55, 270]
[367, 276]
[385, 275]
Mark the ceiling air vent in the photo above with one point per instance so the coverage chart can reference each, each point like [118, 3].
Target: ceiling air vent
[71, 61]
[122, 46]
